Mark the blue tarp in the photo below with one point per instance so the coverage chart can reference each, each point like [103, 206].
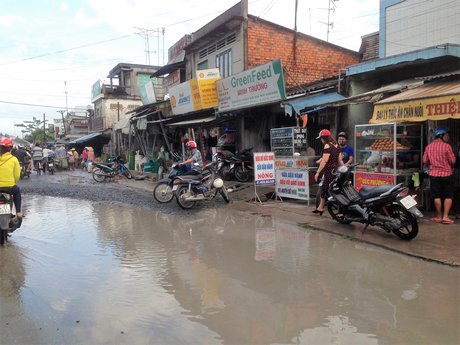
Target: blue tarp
[310, 103]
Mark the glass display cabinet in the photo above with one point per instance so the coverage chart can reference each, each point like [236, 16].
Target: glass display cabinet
[387, 153]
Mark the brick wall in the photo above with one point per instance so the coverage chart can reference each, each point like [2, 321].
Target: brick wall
[315, 59]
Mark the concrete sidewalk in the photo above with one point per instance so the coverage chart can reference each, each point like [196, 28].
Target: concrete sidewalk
[435, 242]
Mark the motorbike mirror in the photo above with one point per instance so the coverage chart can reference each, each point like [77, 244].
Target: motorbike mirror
[196, 164]
[342, 169]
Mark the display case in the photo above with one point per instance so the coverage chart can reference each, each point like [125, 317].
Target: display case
[387, 153]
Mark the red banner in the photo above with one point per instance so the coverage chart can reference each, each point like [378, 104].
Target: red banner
[372, 179]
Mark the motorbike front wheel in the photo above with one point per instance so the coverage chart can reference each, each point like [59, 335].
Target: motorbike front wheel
[223, 191]
[163, 192]
[241, 175]
[336, 213]
[128, 174]
[409, 228]
[98, 175]
[180, 194]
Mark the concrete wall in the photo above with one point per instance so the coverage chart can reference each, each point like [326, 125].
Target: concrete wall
[237, 49]
[414, 24]
[111, 113]
[315, 59]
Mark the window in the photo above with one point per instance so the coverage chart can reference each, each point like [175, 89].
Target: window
[202, 65]
[224, 63]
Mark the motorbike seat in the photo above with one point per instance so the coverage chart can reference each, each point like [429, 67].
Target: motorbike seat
[191, 177]
[368, 192]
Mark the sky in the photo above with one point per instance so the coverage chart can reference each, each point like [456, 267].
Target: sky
[52, 52]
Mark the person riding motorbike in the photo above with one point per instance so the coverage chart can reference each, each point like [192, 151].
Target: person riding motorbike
[195, 159]
[10, 173]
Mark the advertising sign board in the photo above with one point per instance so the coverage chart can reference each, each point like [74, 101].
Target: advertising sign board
[264, 168]
[207, 85]
[292, 183]
[185, 97]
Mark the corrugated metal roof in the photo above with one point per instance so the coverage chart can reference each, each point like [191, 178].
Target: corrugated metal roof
[425, 91]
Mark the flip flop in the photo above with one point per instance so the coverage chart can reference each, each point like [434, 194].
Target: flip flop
[436, 220]
[447, 221]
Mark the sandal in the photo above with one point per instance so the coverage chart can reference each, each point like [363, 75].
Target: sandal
[447, 221]
[436, 220]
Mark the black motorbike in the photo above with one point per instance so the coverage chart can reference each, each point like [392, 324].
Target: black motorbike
[8, 220]
[50, 165]
[115, 166]
[388, 207]
[238, 166]
[189, 189]
[25, 169]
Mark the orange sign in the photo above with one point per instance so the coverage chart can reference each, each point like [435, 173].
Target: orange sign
[372, 179]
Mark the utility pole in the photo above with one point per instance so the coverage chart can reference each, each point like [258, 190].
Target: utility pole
[65, 90]
[63, 122]
[44, 129]
[146, 33]
[330, 24]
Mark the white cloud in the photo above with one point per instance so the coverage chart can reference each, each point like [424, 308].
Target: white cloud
[64, 7]
[10, 20]
[82, 19]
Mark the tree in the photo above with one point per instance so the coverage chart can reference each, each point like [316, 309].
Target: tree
[36, 135]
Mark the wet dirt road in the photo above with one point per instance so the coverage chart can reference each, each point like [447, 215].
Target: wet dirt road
[78, 272]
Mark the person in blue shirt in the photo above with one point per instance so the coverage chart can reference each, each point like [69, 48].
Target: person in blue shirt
[348, 154]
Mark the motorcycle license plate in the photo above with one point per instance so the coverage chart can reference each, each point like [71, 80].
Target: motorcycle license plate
[5, 209]
[408, 202]
[174, 188]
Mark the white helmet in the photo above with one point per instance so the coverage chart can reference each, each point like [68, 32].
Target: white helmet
[218, 183]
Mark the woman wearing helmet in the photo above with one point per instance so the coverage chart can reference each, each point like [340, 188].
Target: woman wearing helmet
[440, 157]
[10, 173]
[195, 157]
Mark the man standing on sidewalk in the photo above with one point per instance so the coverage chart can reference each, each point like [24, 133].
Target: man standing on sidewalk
[441, 159]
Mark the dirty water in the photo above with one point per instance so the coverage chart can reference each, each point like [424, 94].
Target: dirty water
[103, 274]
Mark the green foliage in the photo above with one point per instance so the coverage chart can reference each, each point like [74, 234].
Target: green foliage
[37, 135]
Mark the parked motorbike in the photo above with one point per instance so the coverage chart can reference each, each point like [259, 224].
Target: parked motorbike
[238, 166]
[103, 171]
[388, 207]
[189, 189]
[8, 220]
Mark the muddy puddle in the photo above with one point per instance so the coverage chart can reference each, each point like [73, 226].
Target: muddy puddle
[104, 274]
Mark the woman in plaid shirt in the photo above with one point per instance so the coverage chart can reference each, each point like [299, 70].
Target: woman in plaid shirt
[441, 159]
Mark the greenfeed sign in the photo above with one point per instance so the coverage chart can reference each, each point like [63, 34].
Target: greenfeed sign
[260, 85]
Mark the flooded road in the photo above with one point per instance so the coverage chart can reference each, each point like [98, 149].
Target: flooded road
[78, 272]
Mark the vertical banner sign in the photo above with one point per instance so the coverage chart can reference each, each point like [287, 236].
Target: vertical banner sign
[207, 85]
[264, 168]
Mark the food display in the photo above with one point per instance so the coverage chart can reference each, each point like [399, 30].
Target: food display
[387, 145]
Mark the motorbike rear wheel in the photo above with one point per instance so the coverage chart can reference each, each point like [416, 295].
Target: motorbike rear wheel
[336, 214]
[409, 228]
[241, 175]
[163, 192]
[98, 175]
[223, 191]
[3, 237]
[180, 193]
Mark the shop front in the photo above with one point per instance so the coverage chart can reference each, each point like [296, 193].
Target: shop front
[390, 148]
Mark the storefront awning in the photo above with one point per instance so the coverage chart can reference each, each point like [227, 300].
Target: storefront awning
[166, 69]
[310, 103]
[122, 125]
[88, 138]
[433, 101]
[193, 122]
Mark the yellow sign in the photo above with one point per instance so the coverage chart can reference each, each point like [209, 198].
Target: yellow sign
[435, 108]
[207, 86]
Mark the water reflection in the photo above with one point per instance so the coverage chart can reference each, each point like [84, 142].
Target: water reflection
[116, 274]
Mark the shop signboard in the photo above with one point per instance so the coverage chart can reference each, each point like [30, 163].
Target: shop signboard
[264, 168]
[96, 91]
[292, 183]
[146, 89]
[207, 85]
[372, 179]
[434, 108]
[185, 97]
[260, 85]
[291, 163]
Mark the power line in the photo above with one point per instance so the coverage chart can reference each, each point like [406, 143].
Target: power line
[36, 105]
[66, 50]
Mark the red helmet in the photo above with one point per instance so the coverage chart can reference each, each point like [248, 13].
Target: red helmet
[324, 133]
[7, 142]
[191, 144]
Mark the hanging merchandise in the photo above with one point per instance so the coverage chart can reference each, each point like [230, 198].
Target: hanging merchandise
[304, 118]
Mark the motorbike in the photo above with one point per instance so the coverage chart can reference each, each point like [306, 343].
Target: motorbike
[189, 189]
[8, 220]
[389, 207]
[238, 166]
[163, 192]
[103, 171]
[25, 170]
[50, 165]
